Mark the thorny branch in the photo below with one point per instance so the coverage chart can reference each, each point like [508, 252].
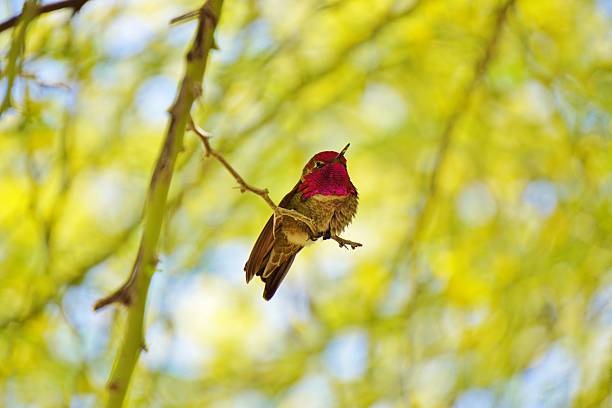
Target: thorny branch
[244, 186]
[392, 17]
[15, 55]
[134, 291]
[75, 5]
[38, 304]
[262, 192]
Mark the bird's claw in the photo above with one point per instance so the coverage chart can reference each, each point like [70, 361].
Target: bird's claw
[345, 243]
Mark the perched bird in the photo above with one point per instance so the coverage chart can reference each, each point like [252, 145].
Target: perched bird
[324, 194]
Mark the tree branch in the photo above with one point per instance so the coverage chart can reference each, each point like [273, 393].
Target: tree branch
[263, 192]
[75, 5]
[480, 69]
[244, 186]
[39, 303]
[133, 292]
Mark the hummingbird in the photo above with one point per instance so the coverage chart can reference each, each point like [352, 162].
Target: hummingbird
[324, 194]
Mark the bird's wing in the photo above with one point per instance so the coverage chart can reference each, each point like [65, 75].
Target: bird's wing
[261, 250]
[263, 246]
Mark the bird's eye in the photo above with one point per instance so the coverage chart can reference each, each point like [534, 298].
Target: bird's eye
[319, 164]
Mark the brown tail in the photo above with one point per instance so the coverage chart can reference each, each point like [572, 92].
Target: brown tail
[260, 254]
[274, 280]
[258, 260]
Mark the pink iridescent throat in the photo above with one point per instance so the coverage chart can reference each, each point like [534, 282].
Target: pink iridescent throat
[330, 180]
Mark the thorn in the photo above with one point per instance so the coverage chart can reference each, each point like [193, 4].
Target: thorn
[154, 260]
[185, 17]
[144, 347]
[196, 90]
[121, 295]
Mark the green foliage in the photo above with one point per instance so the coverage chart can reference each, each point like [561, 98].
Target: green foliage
[495, 287]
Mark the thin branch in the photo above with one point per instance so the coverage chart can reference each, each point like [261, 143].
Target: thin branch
[75, 5]
[39, 304]
[30, 76]
[480, 69]
[14, 58]
[263, 192]
[479, 72]
[392, 17]
[134, 291]
[344, 55]
[16, 52]
[244, 186]
[191, 15]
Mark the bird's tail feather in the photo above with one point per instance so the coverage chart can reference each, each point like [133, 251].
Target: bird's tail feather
[274, 279]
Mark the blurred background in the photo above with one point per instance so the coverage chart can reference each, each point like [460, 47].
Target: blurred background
[480, 146]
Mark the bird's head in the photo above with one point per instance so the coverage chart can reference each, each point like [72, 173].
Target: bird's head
[326, 174]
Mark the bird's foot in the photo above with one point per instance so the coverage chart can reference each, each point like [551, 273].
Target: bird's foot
[345, 243]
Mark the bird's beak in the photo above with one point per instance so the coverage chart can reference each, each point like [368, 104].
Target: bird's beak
[341, 154]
